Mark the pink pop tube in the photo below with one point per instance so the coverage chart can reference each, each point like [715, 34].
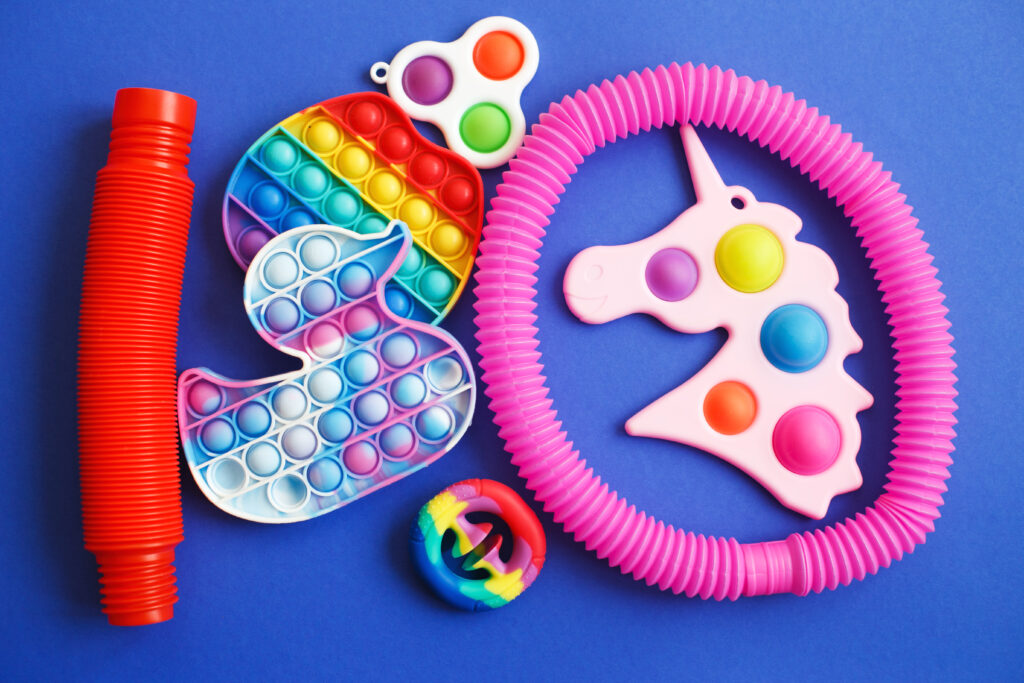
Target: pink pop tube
[629, 539]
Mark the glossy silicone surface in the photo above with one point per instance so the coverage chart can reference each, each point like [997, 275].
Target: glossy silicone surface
[127, 343]
[378, 397]
[775, 401]
[357, 162]
[469, 88]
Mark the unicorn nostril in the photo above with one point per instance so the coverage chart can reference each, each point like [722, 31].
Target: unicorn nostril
[594, 272]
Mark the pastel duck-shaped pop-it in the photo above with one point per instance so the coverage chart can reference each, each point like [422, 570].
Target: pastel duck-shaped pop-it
[378, 397]
[775, 401]
[357, 162]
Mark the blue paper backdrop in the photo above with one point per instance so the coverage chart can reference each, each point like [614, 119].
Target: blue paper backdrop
[934, 91]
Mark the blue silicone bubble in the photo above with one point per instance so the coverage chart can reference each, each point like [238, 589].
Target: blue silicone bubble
[794, 338]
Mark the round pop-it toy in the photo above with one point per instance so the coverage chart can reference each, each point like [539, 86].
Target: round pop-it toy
[378, 397]
[469, 88]
[777, 388]
[640, 544]
[492, 574]
[357, 162]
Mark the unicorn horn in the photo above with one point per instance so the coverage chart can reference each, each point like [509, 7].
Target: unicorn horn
[706, 181]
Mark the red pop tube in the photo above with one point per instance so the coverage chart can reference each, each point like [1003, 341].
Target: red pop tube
[128, 334]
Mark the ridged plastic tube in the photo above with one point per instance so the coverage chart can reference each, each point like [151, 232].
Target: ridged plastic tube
[128, 332]
[640, 545]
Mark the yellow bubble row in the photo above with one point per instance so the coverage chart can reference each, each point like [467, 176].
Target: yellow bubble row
[385, 187]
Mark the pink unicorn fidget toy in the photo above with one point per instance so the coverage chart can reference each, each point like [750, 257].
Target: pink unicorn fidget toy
[775, 401]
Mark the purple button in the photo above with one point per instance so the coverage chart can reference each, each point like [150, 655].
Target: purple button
[427, 80]
[671, 274]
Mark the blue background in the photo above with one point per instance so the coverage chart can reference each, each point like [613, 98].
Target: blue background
[933, 91]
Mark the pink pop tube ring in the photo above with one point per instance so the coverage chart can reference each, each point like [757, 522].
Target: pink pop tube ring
[635, 542]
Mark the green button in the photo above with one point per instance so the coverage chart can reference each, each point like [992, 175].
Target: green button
[485, 127]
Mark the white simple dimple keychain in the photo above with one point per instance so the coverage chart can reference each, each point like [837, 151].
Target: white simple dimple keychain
[469, 88]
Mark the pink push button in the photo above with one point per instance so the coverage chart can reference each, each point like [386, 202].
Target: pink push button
[806, 440]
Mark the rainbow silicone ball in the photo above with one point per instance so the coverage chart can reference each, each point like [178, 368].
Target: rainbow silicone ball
[507, 571]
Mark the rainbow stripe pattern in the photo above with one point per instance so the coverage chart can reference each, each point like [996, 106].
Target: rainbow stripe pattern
[357, 162]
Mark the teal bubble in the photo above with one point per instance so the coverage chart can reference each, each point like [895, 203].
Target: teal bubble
[436, 285]
[342, 207]
[412, 263]
[372, 224]
[310, 181]
[279, 155]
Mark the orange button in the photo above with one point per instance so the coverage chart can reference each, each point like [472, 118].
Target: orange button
[498, 55]
[730, 407]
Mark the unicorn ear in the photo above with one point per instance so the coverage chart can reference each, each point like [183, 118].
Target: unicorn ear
[706, 181]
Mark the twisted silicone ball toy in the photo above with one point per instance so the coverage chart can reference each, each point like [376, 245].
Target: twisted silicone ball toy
[635, 542]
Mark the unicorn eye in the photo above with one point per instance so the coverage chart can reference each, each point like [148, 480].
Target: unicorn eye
[672, 274]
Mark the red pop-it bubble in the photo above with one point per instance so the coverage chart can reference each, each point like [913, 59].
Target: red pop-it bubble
[365, 117]
[427, 169]
[395, 144]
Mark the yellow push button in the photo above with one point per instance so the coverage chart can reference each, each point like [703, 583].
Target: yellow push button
[749, 258]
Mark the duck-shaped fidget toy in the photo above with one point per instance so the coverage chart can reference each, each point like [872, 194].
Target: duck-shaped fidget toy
[379, 396]
[775, 401]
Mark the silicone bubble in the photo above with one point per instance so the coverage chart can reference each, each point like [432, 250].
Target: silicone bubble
[378, 397]
[510, 563]
[357, 162]
[469, 88]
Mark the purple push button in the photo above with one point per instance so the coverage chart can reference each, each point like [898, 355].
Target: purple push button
[671, 274]
[427, 80]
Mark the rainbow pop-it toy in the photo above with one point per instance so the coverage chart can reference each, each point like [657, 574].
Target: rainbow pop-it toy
[492, 574]
[469, 88]
[775, 401]
[357, 162]
[378, 397]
